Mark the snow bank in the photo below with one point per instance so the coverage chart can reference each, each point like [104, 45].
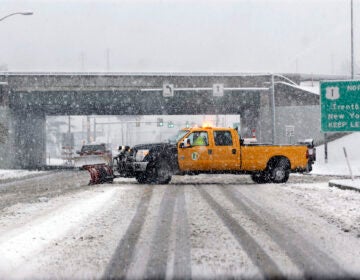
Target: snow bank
[23, 242]
[14, 173]
[337, 164]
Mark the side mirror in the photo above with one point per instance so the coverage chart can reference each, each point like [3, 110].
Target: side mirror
[78, 152]
[241, 141]
[185, 143]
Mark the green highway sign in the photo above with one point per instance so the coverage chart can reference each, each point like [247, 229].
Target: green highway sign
[340, 106]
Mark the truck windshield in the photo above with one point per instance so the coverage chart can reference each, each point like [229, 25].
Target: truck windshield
[180, 134]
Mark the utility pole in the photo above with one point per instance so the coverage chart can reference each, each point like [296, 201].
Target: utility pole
[326, 147]
[69, 124]
[88, 129]
[94, 130]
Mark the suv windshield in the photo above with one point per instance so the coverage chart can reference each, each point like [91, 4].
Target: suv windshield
[93, 148]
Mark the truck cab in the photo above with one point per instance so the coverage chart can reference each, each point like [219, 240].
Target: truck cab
[218, 150]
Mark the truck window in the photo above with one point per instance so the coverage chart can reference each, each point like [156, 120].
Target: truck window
[223, 138]
[199, 138]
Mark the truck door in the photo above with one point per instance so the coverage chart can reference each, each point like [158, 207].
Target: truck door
[225, 151]
[195, 156]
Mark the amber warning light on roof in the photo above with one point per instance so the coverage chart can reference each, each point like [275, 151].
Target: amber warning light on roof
[207, 124]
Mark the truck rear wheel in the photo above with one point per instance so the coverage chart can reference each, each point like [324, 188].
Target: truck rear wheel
[280, 171]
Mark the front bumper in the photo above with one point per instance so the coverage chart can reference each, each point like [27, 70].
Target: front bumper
[139, 166]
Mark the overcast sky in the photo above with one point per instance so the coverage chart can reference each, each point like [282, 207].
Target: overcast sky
[179, 36]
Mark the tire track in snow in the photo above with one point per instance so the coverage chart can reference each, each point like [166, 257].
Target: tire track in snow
[258, 256]
[124, 252]
[310, 260]
[182, 265]
[157, 263]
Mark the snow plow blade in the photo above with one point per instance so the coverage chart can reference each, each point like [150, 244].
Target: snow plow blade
[100, 174]
[91, 160]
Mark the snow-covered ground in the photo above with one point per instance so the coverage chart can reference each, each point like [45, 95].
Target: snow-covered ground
[336, 164]
[74, 235]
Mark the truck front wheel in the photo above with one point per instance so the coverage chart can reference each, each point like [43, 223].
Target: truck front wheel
[141, 178]
[162, 172]
[158, 172]
[261, 177]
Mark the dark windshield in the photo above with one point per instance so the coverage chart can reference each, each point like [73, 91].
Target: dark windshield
[93, 148]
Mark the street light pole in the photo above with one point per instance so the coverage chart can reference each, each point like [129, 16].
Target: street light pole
[352, 40]
[18, 13]
[273, 108]
[272, 91]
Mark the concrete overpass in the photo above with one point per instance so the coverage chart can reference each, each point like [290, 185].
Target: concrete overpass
[27, 98]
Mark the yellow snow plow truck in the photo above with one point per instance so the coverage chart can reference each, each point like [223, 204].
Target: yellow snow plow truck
[212, 150]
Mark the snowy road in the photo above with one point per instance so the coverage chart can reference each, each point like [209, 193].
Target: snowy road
[197, 226]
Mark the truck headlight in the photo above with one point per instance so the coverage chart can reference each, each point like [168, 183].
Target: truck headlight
[141, 154]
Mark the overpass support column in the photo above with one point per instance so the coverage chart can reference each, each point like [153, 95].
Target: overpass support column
[7, 139]
[30, 139]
